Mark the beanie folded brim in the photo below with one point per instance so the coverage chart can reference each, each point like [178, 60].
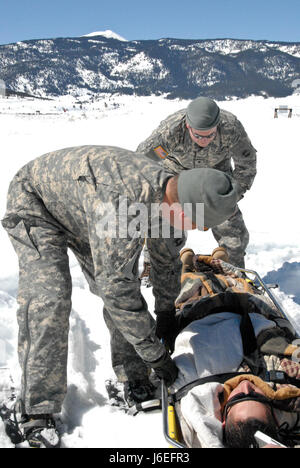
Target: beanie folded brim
[210, 190]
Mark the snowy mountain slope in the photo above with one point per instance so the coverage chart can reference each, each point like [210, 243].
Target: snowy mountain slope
[94, 64]
[107, 33]
[30, 128]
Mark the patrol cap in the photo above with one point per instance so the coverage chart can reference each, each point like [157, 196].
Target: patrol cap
[203, 114]
[215, 189]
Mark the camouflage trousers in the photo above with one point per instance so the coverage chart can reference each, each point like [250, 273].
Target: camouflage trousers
[44, 299]
[232, 234]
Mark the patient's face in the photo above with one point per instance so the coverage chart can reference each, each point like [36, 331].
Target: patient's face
[245, 410]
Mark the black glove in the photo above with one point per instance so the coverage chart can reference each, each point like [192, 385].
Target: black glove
[166, 328]
[165, 369]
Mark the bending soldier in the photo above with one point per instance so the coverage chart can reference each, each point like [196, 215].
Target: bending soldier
[78, 198]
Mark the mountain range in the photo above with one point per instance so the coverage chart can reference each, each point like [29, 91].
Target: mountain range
[104, 62]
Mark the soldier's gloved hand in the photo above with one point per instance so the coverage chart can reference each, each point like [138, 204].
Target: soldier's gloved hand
[165, 369]
[166, 328]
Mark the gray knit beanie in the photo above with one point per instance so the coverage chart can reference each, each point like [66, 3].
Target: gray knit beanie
[203, 114]
[215, 189]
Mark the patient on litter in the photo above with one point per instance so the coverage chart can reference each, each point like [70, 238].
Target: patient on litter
[238, 359]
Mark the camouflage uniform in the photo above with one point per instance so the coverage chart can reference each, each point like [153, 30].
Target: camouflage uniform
[56, 202]
[172, 145]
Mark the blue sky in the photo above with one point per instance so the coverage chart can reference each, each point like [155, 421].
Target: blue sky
[276, 20]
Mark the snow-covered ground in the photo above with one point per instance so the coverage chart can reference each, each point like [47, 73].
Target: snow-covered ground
[29, 128]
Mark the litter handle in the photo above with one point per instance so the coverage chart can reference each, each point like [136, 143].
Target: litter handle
[262, 440]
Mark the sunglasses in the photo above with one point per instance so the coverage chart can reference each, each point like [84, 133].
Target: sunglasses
[240, 397]
[203, 137]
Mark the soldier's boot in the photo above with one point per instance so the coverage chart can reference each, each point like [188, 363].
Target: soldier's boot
[145, 275]
[220, 253]
[138, 391]
[40, 431]
[186, 257]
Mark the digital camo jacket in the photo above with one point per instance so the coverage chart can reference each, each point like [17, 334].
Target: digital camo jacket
[75, 198]
[171, 144]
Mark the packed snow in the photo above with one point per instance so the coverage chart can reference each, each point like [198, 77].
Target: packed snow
[30, 128]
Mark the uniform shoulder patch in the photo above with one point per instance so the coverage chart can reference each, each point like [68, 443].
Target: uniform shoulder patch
[161, 152]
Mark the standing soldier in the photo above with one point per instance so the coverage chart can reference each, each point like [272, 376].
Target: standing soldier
[203, 135]
[76, 198]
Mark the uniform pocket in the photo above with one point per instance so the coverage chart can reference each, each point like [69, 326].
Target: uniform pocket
[19, 234]
[130, 267]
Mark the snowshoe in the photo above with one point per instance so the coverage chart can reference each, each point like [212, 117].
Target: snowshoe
[115, 393]
[11, 424]
[141, 396]
[133, 397]
[8, 412]
[40, 431]
[138, 391]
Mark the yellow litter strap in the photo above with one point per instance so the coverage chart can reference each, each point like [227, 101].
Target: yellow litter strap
[173, 430]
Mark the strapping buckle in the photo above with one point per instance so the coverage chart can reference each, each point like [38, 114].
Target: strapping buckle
[145, 406]
[275, 376]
